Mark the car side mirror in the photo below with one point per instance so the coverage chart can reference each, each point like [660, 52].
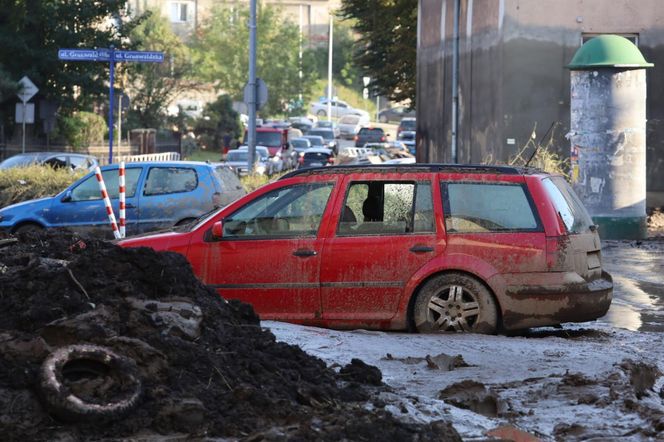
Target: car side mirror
[67, 197]
[218, 230]
[285, 146]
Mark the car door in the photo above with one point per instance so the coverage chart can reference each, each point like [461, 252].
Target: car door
[81, 207]
[385, 233]
[270, 252]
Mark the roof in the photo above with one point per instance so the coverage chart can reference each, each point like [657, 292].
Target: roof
[608, 51]
[421, 167]
[318, 150]
[160, 163]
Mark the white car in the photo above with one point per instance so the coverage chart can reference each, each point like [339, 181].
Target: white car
[350, 125]
[338, 109]
[274, 164]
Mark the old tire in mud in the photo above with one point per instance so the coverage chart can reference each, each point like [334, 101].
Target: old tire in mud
[455, 302]
[89, 382]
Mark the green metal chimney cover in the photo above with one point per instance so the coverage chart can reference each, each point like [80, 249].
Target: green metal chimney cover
[608, 51]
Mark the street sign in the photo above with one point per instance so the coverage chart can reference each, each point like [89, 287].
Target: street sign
[261, 93]
[365, 93]
[26, 115]
[105, 55]
[28, 89]
[111, 56]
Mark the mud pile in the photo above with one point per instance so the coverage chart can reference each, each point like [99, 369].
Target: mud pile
[135, 327]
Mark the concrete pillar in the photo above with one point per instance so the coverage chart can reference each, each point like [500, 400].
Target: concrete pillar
[608, 135]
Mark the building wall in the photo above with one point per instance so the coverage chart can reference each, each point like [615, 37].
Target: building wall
[513, 77]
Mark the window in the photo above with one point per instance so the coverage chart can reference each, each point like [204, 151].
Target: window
[179, 11]
[164, 180]
[290, 211]
[568, 205]
[59, 162]
[386, 208]
[483, 207]
[89, 189]
[634, 38]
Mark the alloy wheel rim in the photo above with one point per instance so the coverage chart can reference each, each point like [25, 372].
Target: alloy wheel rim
[453, 309]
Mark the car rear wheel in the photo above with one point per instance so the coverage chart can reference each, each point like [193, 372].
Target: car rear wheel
[383, 119]
[321, 113]
[455, 302]
[29, 228]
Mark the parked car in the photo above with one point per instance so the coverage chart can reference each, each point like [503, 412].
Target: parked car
[57, 160]
[327, 124]
[328, 137]
[302, 123]
[315, 140]
[238, 159]
[350, 125]
[158, 195]
[426, 247]
[370, 135]
[406, 132]
[300, 145]
[273, 164]
[316, 157]
[338, 108]
[395, 114]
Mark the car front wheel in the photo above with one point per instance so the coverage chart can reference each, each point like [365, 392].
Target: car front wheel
[321, 113]
[455, 302]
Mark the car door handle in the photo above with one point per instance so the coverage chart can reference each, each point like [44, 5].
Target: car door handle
[305, 252]
[421, 249]
[129, 206]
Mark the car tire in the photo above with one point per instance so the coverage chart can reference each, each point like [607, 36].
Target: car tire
[455, 302]
[28, 228]
[79, 362]
[321, 113]
[383, 119]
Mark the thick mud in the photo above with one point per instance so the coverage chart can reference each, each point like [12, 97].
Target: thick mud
[205, 367]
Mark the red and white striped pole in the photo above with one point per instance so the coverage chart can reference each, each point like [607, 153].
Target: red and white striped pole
[107, 203]
[121, 198]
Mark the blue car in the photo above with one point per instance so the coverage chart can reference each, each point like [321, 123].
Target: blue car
[158, 195]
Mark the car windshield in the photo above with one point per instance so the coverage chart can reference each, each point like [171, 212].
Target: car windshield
[238, 155]
[349, 119]
[266, 138]
[316, 141]
[313, 156]
[300, 143]
[371, 131]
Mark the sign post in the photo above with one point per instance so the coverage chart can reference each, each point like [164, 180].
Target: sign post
[112, 56]
[28, 90]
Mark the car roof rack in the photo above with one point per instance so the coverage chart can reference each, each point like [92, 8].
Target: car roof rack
[417, 167]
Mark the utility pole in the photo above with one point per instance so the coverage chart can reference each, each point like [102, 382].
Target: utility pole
[329, 73]
[251, 138]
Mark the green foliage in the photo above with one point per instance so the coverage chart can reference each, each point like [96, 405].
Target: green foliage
[26, 183]
[344, 69]
[253, 182]
[219, 120]
[81, 129]
[387, 48]
[155, 85]
[222, 55]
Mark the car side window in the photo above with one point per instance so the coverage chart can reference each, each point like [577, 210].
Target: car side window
[59, 162]
[89, 188]
[387, 208]
[487, 207]
[79, 162]
[290, 211]
[165, 180]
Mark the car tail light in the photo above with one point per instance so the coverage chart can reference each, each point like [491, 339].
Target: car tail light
[330, 160]
[382, 139]
[356, 137]
[301, 159]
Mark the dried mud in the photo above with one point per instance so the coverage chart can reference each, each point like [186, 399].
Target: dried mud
[208, 369]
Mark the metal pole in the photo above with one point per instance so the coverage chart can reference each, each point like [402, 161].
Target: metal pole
[377, 107]
[23, 138]
[119, 120]
[455, 82]
[252, 87]
[300, 57]
[110, 109]
[329, 73]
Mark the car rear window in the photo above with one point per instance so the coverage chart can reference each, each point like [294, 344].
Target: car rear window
[568, 205]
[487, 207]
[266, 138]
[371, 131]
[228, 179]
[407, 125]
[316, 156]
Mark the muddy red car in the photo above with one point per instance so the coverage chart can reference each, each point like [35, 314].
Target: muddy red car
[420, 247]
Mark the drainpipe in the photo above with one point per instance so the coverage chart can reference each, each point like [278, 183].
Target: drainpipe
[455, 81]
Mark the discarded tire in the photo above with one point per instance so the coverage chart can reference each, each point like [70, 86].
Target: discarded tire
[89, 382]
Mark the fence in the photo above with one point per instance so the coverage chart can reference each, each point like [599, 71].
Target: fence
[163, 156]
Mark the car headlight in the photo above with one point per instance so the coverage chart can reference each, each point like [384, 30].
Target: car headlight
[260, 169]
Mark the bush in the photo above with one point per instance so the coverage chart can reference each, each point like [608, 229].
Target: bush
[26, 183]
[81, 129]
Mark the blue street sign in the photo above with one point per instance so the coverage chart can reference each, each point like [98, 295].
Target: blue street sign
[105, 55]
[112, 56]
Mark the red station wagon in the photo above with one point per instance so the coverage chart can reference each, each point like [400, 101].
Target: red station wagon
[421, 247]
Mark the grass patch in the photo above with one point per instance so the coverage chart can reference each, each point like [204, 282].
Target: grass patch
[26, 183]
[204, 155]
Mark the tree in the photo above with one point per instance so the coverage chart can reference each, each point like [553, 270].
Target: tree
[387, 48]
[155, 85]
[219, 119]
[344, 68]
[222, 55]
